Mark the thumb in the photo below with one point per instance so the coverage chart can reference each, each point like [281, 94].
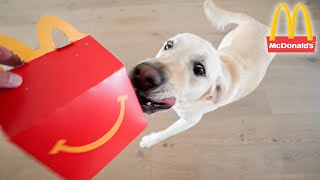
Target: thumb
[9, 80]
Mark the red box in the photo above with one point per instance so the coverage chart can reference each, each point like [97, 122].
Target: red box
[75, 111]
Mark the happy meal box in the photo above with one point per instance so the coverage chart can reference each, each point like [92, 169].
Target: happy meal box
[76, 109]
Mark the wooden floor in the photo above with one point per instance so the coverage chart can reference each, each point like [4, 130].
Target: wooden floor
[273, 134]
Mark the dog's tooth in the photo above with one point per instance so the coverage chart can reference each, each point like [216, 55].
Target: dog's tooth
[148, 103]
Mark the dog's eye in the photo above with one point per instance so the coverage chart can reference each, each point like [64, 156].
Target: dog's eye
[199, 70]
[169, 45]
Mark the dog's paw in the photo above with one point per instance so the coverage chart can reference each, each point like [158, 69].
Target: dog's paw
[149, 140]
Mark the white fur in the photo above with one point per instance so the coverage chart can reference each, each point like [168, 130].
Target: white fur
[237, 68]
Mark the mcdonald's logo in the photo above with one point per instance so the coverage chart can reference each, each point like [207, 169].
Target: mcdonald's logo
[61, 146]
[291, 43]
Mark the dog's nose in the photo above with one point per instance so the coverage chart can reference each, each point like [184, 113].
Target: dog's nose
[147, 76]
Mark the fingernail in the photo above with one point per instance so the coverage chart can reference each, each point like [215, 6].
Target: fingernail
[4, 53]
[1, 52]
[14, 80]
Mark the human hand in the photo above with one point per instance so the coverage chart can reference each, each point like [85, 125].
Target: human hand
[9, 79]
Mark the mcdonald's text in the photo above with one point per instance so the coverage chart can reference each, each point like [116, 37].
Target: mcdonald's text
[298, 44]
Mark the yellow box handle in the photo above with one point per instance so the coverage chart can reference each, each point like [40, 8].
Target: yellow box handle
[46, 42]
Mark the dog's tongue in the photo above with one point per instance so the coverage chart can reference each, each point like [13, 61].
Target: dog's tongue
[168, 101]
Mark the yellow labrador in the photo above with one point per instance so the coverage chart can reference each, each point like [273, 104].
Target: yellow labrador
[194, 78]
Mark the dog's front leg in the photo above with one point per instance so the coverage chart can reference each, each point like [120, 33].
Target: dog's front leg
[175, 128]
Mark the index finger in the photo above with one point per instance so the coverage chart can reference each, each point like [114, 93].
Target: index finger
[8, 58]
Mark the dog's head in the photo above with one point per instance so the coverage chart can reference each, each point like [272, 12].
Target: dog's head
[186, 69]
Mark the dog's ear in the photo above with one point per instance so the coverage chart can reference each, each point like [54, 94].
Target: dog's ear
[217, 91]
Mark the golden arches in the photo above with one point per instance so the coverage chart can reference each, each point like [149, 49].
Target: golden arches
[291, 21]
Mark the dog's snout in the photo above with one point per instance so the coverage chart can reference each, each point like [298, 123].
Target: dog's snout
[148, 76]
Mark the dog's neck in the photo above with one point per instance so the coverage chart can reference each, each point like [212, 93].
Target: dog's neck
[231, 79]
